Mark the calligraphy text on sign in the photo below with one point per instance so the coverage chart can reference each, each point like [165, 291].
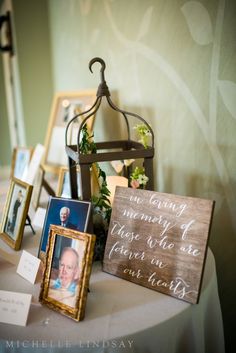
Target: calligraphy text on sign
[159, 241]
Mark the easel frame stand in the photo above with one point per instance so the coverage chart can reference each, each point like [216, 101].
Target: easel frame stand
[129, 149]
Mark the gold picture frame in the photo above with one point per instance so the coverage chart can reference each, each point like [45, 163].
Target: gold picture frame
[64, 107]
[63, 188]
[15, 213]
[65, 282]
[21, 157]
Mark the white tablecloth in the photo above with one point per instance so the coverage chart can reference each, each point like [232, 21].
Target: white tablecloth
[120, 317]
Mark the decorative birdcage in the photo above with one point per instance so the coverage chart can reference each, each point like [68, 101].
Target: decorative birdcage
[114, 150]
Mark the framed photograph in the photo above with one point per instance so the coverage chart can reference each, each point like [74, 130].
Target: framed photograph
[67, 270]
[64, 107]
[37, 188]
[30, 174]
[20, 161]
[15, 213]
[63, 186]
[72, 214]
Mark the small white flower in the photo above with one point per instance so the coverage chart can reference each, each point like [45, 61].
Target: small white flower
[142, 179]
[148, 133]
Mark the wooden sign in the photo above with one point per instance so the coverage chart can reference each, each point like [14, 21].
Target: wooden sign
[159, 241]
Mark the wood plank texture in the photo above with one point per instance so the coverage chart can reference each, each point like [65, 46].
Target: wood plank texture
[159, 241]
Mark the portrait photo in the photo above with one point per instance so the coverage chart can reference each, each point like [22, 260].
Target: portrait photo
[68, 213]
[15, 212]
[20, 161]
[63, 186]
[67, 269]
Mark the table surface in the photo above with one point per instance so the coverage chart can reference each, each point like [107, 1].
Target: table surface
[120, 316]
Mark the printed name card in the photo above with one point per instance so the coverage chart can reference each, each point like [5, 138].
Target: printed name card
[14, 307]
[159, 241]
[28, 266]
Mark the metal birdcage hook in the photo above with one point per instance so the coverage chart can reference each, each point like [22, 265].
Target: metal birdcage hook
[102, 62]
[102, 89]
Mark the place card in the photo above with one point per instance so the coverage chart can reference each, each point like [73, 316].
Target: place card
[14, 307]
[28, 266]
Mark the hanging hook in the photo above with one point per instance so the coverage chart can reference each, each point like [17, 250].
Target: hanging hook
[102, 89]
[102, 62]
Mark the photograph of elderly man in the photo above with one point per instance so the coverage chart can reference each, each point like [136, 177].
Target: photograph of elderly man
[65, 287]
[64, 218]
[68, 213]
